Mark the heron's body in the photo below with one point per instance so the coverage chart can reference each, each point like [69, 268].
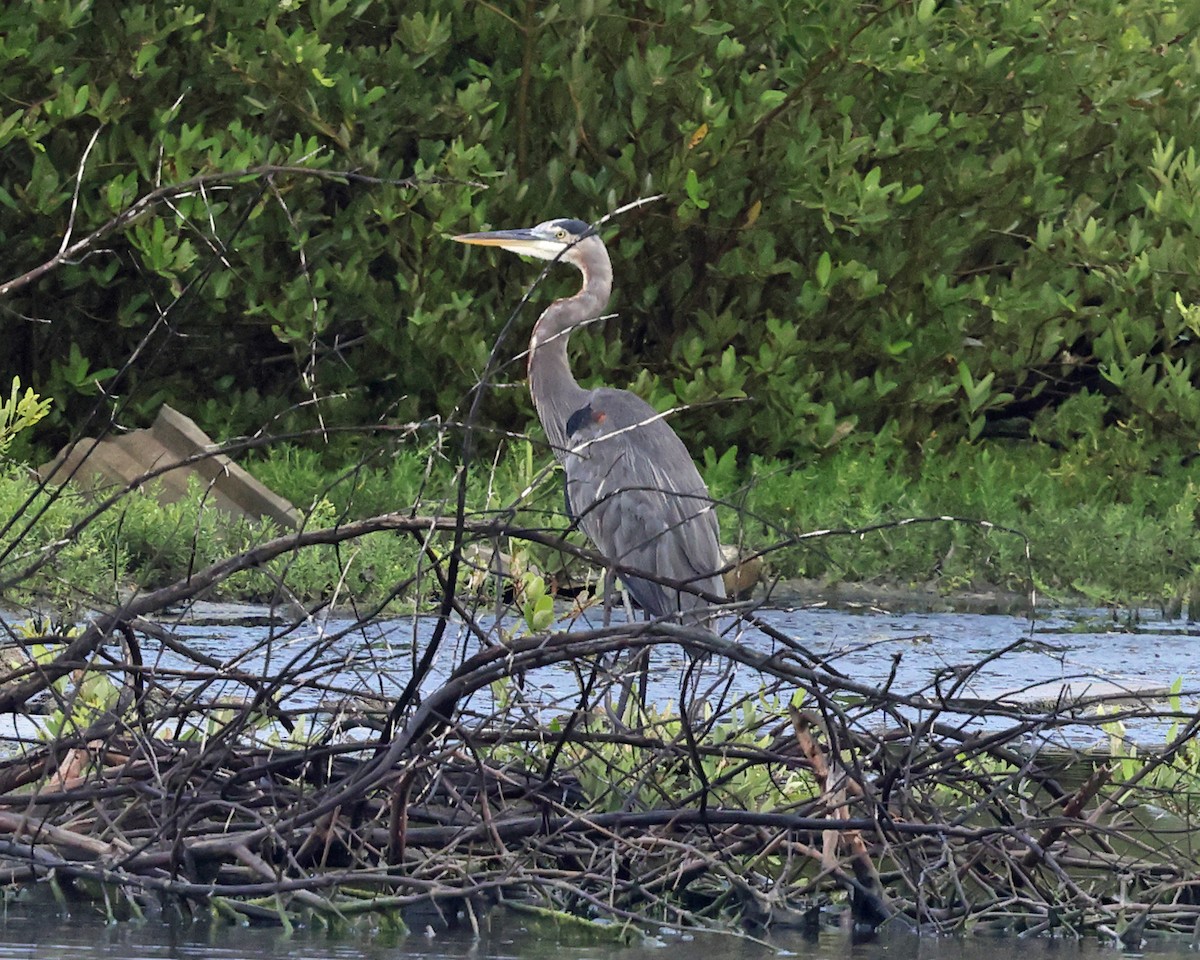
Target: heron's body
[630, 483]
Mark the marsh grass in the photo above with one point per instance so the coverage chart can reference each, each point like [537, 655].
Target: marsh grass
[1111, 525]
[1109, 522]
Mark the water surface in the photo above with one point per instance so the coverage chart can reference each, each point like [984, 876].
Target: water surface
[35, 934]
[918, 654]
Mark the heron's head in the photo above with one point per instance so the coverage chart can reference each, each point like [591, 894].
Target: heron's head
[570, 240]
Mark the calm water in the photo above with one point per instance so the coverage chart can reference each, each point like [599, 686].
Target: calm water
[50, 934]
[1083, 651]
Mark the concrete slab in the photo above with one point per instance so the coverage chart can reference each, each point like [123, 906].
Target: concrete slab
[119, 461]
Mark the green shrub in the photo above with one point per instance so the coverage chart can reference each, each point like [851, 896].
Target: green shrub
[942, 217]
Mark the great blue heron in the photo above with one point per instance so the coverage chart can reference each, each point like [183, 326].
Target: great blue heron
[631, 484]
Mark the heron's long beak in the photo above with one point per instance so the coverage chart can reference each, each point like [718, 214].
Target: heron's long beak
[500, 238]
[525, 241]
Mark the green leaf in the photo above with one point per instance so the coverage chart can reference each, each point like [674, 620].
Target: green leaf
[692, 186]
[145, 57]
[8, 124]
[924, 124]
[824, 270]
[995, 56]
[712, 28]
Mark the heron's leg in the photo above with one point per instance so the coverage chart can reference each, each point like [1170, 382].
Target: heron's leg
[637, 667]
[636, 677]
[641, 663]
[617, 713]
[610, 591]
[610, 587]
[628, 604]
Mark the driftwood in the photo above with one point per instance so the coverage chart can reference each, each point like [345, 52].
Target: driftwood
[734, 812]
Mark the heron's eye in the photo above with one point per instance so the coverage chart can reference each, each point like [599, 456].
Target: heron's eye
[560, 234]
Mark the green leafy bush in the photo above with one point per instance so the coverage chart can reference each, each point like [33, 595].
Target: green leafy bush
[946, 218]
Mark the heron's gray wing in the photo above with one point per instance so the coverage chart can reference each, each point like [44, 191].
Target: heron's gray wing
[636, 493]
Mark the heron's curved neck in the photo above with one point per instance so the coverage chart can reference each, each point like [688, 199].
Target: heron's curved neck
[556, 394]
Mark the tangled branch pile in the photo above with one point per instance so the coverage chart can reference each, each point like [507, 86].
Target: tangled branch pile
[332, 769]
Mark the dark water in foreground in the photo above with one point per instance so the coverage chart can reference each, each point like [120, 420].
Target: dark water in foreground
[51, 934]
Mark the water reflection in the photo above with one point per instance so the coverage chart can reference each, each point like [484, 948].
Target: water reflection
[37, 934]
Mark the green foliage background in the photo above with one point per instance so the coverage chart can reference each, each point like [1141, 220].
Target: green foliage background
[926, 219]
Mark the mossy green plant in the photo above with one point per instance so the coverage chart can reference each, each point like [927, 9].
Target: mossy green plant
[1109, 523]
